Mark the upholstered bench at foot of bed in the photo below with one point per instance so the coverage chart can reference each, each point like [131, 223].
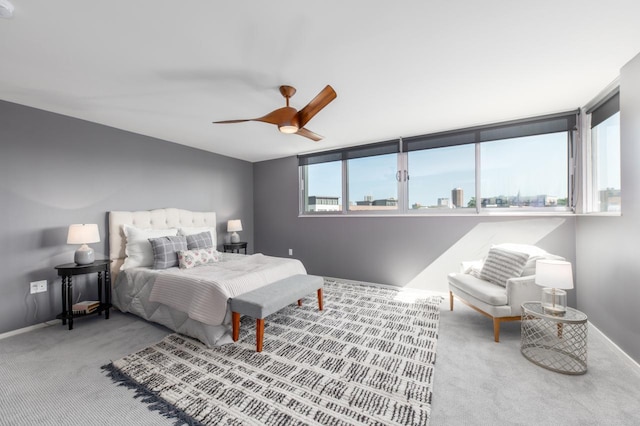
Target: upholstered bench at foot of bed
[270, 298]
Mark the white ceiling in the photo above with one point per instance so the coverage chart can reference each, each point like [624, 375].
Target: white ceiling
[167, 69]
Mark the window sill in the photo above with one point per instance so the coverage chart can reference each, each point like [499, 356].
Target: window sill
[482, 214]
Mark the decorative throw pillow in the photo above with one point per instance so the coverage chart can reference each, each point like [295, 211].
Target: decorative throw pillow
[165, 250]
[191, 230]
[138, 248]
[199, 241]
[501, 265]
[190, 258]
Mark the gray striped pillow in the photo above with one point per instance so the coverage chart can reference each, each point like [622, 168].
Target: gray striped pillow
[503, 264]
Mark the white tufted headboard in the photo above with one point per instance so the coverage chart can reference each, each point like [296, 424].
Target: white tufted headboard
[153, 219]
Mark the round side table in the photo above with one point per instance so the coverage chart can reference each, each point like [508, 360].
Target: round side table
[557, 343]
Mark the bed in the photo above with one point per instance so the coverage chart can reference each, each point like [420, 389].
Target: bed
[191, 300]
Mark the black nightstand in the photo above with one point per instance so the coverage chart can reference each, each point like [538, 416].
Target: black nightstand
[235, 247]
[67, 271]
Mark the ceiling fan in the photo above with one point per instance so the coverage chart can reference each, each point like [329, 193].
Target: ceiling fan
[290, 120]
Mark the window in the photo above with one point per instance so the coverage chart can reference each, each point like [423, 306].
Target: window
[521, 164]
[529, 172]
[372, 183]
[605, 188]
[324, 186]
[442, 178]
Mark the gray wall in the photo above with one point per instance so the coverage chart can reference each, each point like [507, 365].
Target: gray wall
[607, 247]
[402, 251]
[56, 170]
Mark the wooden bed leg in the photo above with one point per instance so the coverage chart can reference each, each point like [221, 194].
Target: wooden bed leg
[320, 299]
[450, 300]
[496, 330]
[299, 302]
[259, 334]
[235, 324]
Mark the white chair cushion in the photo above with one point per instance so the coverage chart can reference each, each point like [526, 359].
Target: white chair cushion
[485, 291]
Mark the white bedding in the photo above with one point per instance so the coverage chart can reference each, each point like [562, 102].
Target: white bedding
[202, 292]
[194, 301]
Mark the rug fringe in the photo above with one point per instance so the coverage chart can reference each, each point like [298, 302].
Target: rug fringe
[153, 401]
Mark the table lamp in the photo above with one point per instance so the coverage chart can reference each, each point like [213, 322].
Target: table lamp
[83, 234]
[233, 226]
[555, 276]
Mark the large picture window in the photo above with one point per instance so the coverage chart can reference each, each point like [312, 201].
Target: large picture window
[323, 184]
[372, 183]
[517, 165]
[529, 172]
[442, 178]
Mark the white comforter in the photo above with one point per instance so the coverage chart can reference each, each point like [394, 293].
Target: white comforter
[202, 292]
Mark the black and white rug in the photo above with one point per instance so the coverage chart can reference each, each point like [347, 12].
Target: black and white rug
[367, 359]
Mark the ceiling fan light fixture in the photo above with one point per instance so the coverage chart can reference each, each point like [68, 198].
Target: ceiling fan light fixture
[288, 128]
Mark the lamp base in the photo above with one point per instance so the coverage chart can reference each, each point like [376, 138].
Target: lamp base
[235, 238]
[84, 255]
[554, 301]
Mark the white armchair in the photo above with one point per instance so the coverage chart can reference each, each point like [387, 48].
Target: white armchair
[497, 286]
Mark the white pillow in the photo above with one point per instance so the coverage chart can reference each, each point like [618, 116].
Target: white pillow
[196, 230]
[138, 248]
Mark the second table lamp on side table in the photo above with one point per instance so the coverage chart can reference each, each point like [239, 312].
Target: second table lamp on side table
[555, 276]
[83, 234]
[234, 226]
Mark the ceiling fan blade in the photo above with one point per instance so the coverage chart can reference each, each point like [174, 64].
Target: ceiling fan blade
[320, 101]
[308, 134]
[231, 121]
[278, 116]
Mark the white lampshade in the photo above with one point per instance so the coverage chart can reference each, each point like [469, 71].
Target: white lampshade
[556, 277]
[554, 274]
[234, 225]
[83, 234]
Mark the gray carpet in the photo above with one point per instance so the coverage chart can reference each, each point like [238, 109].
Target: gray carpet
[52, 376]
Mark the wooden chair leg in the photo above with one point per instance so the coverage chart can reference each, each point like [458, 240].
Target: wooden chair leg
[320, 303]
[451, 301]
[299, 302]
[496, 330]
[259, 334]
[235, 324]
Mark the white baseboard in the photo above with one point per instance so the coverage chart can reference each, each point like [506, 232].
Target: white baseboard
[30, 328]
[616, 347]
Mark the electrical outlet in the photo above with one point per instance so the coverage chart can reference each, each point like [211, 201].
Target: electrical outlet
[290, 252]
[38, 286]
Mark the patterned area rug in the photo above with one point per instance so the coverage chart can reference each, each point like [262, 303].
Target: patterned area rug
[367, 359]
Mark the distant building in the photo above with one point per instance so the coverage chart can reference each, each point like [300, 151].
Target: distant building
[370, 204]
[457, 195]
[386, 202]
[610, 200]
[323, 204]
[520, 201]
[443, 202]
